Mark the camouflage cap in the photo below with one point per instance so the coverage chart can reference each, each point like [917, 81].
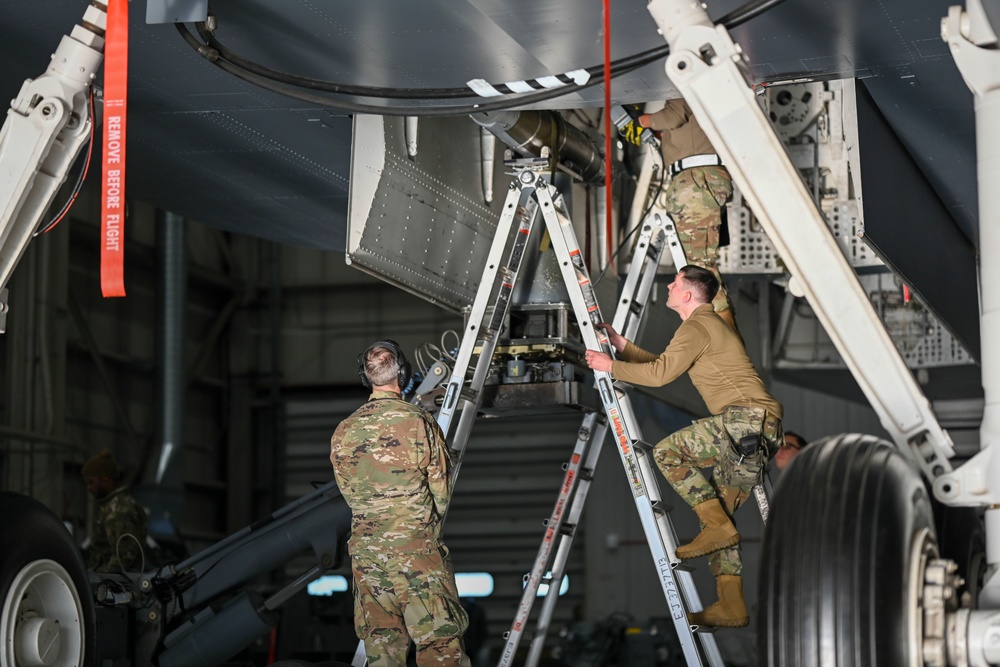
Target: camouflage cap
[102, 464]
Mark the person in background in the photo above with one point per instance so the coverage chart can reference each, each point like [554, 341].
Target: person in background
[121, 526]
[789, 449]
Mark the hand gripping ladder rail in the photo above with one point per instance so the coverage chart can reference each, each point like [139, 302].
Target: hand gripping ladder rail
[530, 195]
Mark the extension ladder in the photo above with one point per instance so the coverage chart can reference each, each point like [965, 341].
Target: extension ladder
[530, 195]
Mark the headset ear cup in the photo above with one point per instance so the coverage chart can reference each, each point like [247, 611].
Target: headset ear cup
[405, 370]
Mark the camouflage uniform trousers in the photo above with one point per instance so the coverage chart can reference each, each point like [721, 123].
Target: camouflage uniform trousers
[694, 199]
[681, 456]
[399, 596]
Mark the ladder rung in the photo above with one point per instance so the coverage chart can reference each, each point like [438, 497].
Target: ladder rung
[568, 529]
[683, 566]
[621, 387]
[586, 474]
[658, 507]
[642, 446]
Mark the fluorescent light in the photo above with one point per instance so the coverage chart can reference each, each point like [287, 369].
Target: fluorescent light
[328, 585]
[474, 584]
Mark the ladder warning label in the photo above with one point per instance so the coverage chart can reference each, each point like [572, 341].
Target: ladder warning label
[638, 488]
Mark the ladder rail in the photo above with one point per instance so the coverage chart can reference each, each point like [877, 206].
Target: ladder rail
[486, 337]
[567, 510]
[563, 550]
[628, 316]
[618, 409]
[511, 210]
[658, 234]
[639, 280]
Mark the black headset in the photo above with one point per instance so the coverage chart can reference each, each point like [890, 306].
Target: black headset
[405, 370]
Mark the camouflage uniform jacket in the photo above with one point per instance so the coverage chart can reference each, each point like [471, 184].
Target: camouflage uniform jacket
[119, 514]
[392, 466]
[713, 355]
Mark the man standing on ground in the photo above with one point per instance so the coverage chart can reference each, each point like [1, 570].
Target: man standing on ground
[737, 440]
[120, 530]
[697, 192]
[393, 467]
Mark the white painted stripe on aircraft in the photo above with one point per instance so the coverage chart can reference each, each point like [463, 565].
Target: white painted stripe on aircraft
[483, 88]
[520, 87]
[551, 81]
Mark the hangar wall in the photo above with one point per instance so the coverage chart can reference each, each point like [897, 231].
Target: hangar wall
[81, 371]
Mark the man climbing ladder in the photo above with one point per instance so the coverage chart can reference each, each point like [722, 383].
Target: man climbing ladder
[743, 432]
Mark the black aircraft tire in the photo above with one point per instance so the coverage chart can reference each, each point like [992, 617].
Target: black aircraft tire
[42, 576]
[842, 563]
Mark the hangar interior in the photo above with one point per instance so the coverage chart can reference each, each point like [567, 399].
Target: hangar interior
[218, 380]
[271, 335]
[267, 366]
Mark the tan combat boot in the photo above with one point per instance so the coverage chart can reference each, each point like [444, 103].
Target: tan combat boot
[730, 611]
[717, 531]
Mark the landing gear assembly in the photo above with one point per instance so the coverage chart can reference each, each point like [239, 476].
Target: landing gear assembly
[852, 571]
[45, 620]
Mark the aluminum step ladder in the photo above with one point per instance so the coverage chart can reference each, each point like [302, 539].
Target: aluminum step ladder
[529, 196]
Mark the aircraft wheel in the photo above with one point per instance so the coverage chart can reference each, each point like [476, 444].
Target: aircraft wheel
[842, 567]
[47, 614]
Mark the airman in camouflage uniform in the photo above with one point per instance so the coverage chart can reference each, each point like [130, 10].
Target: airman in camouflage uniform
[694, 198]
[713, 355]
[120, 531]
[392, 465]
